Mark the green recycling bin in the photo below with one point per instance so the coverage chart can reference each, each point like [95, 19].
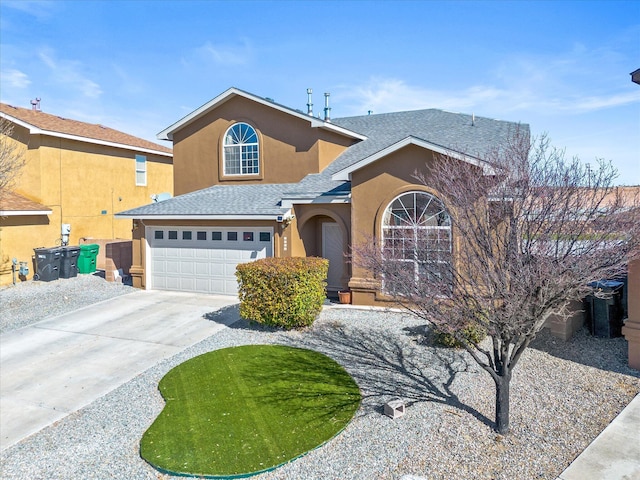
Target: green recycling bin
[88, 258]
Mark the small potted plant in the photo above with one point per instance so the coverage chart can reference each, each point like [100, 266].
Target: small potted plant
[344, 296]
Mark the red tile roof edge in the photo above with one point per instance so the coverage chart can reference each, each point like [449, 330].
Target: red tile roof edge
[90, 131]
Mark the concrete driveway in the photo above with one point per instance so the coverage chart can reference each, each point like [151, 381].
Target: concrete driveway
[57, 366]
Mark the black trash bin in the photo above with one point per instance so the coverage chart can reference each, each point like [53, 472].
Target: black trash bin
[47, 264]
[604, 315]
[69, 262]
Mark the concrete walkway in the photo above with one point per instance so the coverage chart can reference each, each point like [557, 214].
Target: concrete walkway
[615, 453]
[57, 366]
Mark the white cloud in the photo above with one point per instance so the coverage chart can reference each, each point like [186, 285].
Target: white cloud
[578, 80]
[37, 8]
[562, 85]
[130, 84]
[69, 74]
[585, 111]
[12, 78]
[225, 55]
[391, 94]
[588, 104]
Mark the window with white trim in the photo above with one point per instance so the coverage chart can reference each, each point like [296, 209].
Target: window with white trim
[141, 170]
[241, 150]
[416, 238]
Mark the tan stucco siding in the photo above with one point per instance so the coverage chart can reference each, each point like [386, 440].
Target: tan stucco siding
[87, 184]
[19, 235]
[84, 185]
[372, 189]
[329, 151]
[307, 234]
[289, 147]
[307, 237]
[29, 176]
[631, 329]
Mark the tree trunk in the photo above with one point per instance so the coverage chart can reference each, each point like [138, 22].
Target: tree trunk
[502, 403]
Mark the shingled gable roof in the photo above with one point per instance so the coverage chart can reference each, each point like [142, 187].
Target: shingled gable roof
[469, 137]
[38, 122]
[13, 204]
[220, 202]
[167, 133]
[345, 174]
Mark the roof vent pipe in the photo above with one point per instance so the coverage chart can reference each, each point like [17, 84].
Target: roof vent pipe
[327, 109]
[35, 105]
[473, 119]
[309, 102]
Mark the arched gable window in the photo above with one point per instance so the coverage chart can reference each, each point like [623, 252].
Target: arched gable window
[241, 150]
[416, 234]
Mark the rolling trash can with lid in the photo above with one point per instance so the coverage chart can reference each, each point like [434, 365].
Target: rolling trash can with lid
[47, 264]
[88, 258]
[69, 262]
[604, 309]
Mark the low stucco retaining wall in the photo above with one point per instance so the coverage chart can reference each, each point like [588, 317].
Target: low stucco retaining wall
[114, 257]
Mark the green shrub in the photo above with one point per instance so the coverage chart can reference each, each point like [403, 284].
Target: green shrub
[282, 292]
[473, 332]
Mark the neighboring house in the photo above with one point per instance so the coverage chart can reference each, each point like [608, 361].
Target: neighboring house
[78, 174]
[631, 329]
[255, 179]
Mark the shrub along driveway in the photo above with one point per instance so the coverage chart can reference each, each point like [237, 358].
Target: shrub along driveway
[57, 366]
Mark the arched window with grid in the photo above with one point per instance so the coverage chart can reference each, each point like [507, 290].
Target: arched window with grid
[416, 238]
[241, 150]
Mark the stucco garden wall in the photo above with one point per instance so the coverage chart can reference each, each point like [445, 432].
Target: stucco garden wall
[631, 329]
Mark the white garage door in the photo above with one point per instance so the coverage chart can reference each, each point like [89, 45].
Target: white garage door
[204, 259]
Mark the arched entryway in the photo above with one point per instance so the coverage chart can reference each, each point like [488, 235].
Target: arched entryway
[324, 235]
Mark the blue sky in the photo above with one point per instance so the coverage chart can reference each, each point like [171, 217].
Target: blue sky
[139, 66]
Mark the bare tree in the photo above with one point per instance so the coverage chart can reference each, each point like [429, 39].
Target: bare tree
[529, 231]
[11, 158]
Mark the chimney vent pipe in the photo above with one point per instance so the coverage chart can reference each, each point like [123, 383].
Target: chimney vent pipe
[309, 102]
[327, 108]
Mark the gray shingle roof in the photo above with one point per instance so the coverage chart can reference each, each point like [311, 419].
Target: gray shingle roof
[451, 131]
[241, 200]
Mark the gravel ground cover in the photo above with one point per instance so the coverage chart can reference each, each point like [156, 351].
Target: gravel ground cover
[563, 395]
[29, 302]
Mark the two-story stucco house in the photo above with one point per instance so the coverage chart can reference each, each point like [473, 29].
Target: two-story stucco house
[253, 179]
[76, 174]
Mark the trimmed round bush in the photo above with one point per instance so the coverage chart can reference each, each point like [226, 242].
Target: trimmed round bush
[473, 332]
[282, 292]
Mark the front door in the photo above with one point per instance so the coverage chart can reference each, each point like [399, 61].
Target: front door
[333, 251]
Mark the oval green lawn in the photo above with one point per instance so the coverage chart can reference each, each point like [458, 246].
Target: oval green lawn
[242, 410]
